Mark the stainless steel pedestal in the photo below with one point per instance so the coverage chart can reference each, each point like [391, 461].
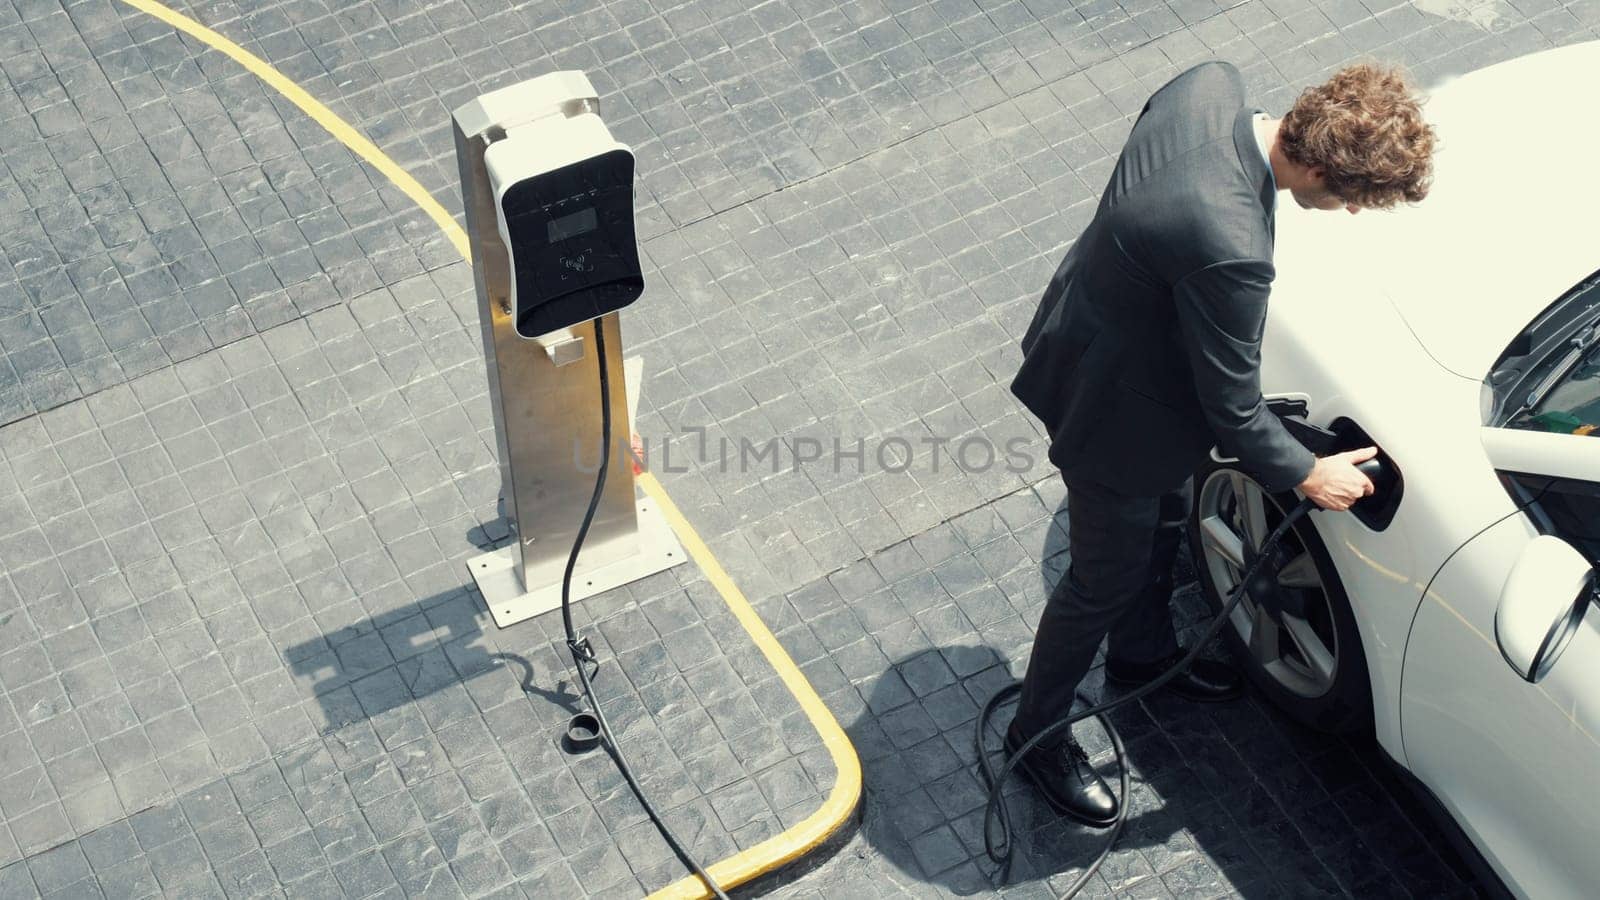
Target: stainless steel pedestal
[546, 400]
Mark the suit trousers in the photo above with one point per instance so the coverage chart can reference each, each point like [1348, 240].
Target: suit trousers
[1118, 583]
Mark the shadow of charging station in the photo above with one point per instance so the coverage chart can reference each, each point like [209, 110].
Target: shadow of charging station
[549, 202]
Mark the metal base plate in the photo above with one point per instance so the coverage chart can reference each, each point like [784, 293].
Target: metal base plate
[496, 573]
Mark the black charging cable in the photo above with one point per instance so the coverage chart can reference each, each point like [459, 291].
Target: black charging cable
[995, 811]
[586, 728]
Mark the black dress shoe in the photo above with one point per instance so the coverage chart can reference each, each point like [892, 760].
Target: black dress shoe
[1069, 784]
[1206, 680]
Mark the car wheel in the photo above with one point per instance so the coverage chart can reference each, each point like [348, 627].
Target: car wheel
[1301, 647]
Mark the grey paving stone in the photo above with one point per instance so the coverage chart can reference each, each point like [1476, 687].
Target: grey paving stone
[55, 870]
[343, 835]
[481, 872]
[176, 862]
[413, 856]
[133, 879]
[392, 816]
[364, 874]
[294, 856]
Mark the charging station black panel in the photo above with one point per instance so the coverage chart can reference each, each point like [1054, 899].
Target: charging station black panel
[573, 252]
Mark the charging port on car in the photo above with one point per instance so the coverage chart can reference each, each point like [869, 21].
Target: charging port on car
[1376, 511]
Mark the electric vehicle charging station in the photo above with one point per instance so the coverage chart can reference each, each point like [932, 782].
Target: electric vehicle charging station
[549, 206]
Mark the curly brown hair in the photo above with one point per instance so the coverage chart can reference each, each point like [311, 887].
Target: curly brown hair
[1364, 128]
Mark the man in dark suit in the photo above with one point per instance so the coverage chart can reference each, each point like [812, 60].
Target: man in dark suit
[1145, 352]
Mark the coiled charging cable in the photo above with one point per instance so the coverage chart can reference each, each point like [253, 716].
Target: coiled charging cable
[995, 811]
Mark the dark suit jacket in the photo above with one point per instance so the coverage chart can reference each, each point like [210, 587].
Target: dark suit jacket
[1146, 347]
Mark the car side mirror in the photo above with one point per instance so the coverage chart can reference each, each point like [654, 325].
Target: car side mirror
[1541, 605]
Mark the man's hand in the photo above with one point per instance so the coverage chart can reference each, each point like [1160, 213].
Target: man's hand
[1335, 482]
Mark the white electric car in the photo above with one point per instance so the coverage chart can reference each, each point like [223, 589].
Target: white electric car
[1450, 613]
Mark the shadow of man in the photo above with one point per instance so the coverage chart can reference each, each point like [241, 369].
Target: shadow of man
[1230, 798]
[1211, 785]
[924, 803]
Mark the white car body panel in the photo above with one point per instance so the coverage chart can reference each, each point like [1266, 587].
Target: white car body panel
[1393, 319]
[1384, 575]
[1573, 456]
[1513, 762]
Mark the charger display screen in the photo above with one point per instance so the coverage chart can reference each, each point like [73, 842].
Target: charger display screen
[572, 225]
[571, 239]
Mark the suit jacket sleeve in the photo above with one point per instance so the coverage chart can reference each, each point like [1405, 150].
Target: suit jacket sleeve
[1222, 311]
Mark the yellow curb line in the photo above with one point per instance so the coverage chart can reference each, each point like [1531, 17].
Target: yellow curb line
[815, 828]
[324, 116]
[777, 850]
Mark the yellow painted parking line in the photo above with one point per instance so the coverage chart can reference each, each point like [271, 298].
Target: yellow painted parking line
[312, 107]
[815, 828]
[775, 851]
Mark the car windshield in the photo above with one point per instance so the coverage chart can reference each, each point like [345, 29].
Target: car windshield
[1546, 380]
[1570, 404]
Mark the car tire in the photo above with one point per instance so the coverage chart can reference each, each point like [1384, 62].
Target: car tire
[1336, 698]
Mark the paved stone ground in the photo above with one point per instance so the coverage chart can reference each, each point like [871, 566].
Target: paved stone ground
[247, 452]
[1228, 800]
[241, 652]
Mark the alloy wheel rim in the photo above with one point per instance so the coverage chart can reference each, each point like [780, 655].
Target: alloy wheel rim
[1300, 653]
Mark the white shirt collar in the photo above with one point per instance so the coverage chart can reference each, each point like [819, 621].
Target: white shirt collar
[1266, 154]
